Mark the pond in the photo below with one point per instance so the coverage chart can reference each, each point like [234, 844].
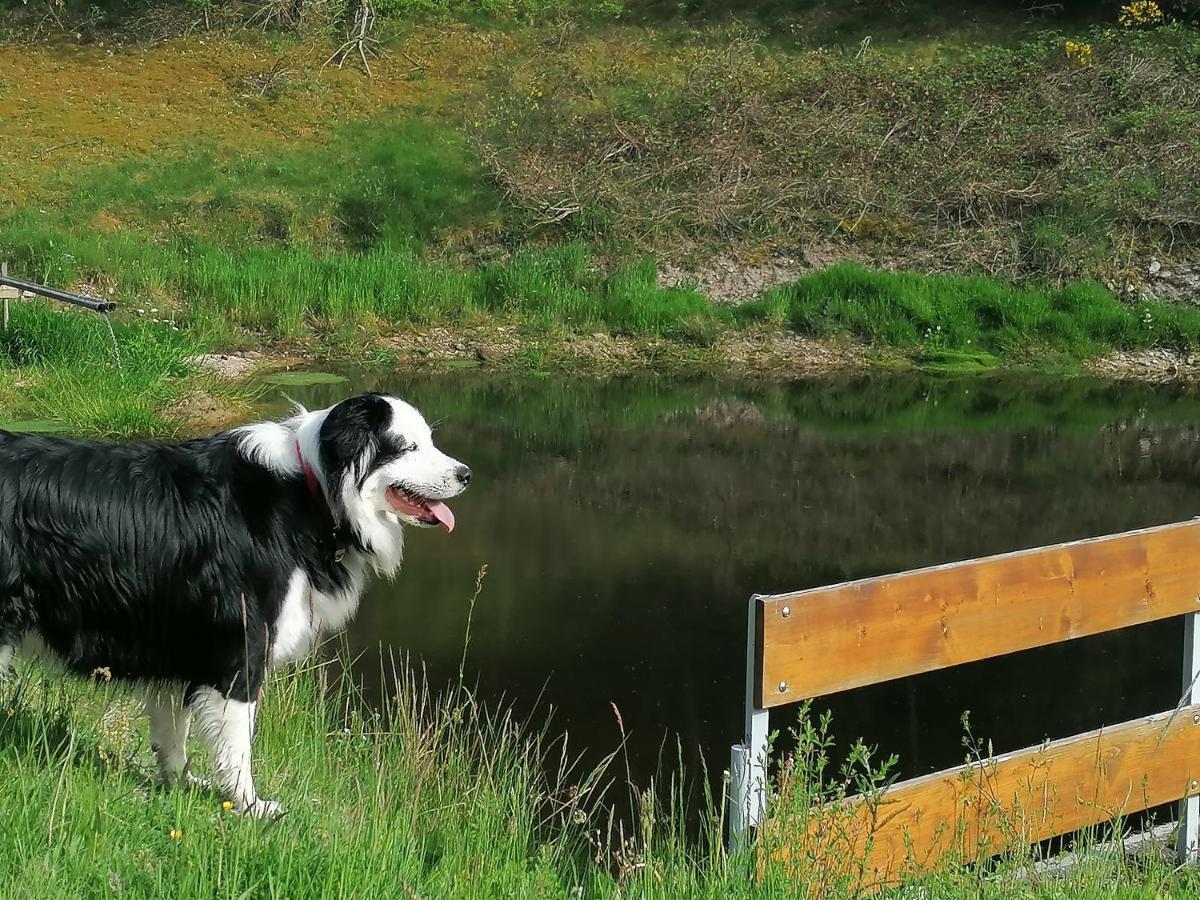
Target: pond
[624, 523]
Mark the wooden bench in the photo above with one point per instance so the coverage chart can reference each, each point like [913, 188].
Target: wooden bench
[811, 643]
[7, 293]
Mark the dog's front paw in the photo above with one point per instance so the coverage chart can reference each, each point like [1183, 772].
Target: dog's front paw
[263, 809]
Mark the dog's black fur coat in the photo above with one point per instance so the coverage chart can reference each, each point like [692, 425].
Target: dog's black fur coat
[152, 561]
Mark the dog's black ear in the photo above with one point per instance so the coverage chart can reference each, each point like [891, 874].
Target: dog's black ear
[350, 433]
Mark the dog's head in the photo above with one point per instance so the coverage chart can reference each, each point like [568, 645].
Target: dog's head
[378, 463]
[373, 460]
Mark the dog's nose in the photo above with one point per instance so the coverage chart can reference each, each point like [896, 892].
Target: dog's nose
[463, 474]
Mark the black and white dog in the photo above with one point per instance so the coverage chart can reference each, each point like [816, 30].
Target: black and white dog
[192, 568]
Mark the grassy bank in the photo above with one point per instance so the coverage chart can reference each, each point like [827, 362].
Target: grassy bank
[66, 372]
[931, 136]
[431, 797]
[538, 311]
[979, 146]
[539, 169]
[65, 369]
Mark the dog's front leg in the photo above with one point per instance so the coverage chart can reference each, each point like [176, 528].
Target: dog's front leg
[170, 721]
[228, 727]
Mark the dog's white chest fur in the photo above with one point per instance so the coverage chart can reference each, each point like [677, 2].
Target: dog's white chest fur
[308, 614]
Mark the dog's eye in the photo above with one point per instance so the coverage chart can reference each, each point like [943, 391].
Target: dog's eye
[397, 450]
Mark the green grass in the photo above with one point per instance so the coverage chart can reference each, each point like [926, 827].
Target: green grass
[978, 315]
[947, 325]
[70, 372]
[435, 795]
[432, 796]
[284, 292]
[955, 142]
[287, 291]
[401, 180]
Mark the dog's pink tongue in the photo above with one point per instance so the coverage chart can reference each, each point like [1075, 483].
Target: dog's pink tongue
[441, 512]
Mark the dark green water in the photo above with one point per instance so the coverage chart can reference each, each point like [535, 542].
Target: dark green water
[624, 524]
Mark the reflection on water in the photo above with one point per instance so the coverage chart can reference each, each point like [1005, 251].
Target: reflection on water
[625, 523]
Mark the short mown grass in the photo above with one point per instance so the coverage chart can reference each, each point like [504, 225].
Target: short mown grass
[396, 179]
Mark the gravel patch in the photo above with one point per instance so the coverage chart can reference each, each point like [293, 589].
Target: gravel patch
[231, 366]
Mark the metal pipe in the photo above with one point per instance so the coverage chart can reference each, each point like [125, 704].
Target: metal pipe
[100, 306]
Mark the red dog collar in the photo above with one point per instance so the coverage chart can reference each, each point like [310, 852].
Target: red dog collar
[313, 485]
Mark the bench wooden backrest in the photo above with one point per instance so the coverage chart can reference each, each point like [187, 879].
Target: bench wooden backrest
[815, 642]
[831, 639]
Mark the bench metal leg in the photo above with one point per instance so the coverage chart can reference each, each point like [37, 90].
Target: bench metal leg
[1188, 845]
[748, 759]
[748, 781]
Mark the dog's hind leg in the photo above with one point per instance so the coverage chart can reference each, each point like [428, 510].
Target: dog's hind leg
[170, 721]
[14, 611]
[12, 632]
[228, 727]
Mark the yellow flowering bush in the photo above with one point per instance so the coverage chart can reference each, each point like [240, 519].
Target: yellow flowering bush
[1081, 54]
[1140, 12]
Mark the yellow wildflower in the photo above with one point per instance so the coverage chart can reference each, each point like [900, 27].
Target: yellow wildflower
[1140, 12]
[175, 834]
[1081, 54]
[227, 805]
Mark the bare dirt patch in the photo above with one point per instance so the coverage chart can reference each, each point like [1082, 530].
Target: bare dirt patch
[491, 343]
[202, 412]
[785, 353]
[740, 275]
[230, 366]
[1174, 282]
[1157, 365]
[766, 354]
[729, 280]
